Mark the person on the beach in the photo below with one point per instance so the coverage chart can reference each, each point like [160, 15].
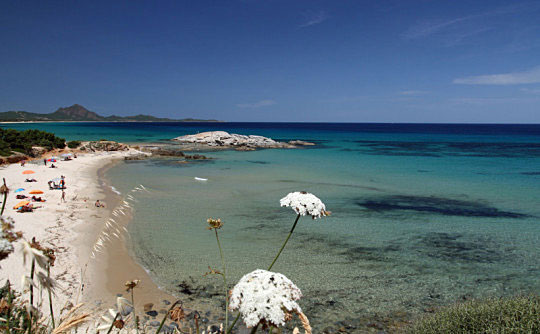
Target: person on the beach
[63, 199]
[23, 162]
[45, 161]
[99, 204]
[53, 166]
[62, 183]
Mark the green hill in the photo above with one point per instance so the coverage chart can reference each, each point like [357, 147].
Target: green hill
[79, 113]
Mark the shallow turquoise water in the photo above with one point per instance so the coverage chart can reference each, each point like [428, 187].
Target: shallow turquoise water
[419, 218]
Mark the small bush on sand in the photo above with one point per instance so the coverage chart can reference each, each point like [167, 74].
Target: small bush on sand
[504, 315]
[74, 143]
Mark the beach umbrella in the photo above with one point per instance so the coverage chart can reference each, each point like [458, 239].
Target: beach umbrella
[52, 160]
[21, 203]
[28, 172]
[36, 192]
[20, 189]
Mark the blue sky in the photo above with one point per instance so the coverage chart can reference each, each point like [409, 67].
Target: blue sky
[270, 60]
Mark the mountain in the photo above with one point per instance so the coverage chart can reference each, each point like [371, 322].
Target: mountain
[79, 113]
[75, 113]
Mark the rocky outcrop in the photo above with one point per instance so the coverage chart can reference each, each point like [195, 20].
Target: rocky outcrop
[103, 145]
[231, 140]
[37, 151]
[16, 157]
[301, 143]
[161, 151]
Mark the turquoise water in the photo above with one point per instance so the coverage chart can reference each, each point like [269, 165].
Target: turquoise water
[422, 215]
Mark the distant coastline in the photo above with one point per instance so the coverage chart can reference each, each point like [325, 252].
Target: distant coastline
[78, 113]
[125, 121]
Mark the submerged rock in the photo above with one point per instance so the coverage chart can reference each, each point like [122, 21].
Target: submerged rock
[233, 140]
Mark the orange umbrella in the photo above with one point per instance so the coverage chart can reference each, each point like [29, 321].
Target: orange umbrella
[28, 172]
[35, 192]
[21, 203]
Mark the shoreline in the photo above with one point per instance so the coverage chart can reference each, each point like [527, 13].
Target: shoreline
[71, 228]
[108, 275]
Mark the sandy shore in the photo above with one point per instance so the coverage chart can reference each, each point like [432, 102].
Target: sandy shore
[72, 228]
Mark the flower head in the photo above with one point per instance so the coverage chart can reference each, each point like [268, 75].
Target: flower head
[4, 189]
[265, 297]
[131, 284]
[5, 248]
[304, 203]
[26, 283]
[214, 224]
[32, 253]
[46, 282]
[177, 313]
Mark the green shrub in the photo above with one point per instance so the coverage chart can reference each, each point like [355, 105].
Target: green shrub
[74, 143]
[505, 315]
[22, 141]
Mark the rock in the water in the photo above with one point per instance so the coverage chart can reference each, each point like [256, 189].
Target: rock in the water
[148, 307]
[103, 145]
[232, 140]
[301, 143]
[152, 313]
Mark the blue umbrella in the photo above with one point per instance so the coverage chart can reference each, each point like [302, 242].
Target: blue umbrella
[20, 189]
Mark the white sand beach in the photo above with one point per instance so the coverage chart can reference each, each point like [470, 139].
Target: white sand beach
[72, 228]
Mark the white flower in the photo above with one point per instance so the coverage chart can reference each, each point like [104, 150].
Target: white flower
[34, 254]
[265, 296]
[26, 283]
[304, 203]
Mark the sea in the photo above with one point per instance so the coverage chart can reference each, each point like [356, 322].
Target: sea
[423, 215]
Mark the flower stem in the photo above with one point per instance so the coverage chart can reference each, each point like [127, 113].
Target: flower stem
[271, 265]
[50, 296]
[112, 324]
[134, 313]
[165, 316]
[9, 308]
[32, 269]
[224, 281]
[285, 243]
[4, 202]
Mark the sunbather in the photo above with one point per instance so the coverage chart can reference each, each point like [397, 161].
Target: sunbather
[37, 199]
[26, 208]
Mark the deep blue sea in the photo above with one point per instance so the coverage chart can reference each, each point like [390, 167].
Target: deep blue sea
[423, 215]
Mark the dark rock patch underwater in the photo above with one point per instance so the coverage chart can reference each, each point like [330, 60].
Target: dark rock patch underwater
[435, 205]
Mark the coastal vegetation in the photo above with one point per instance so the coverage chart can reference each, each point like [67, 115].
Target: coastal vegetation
[519, 314]
[23, 141]
[74, 143]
